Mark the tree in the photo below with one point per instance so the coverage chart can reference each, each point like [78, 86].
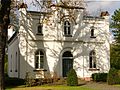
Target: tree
[115, 47]
[4, 22]
[72, 79]
[116, 25]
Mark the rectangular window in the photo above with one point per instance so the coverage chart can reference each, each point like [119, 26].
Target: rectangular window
[39, 60]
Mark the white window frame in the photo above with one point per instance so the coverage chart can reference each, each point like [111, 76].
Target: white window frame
[92, 59]
[41, 30]
[67, 28]
[40, 62]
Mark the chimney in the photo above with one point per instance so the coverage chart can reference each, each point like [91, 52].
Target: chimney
[22, 5]
[104, 14]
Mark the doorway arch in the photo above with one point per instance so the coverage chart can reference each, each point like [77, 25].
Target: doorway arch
[67, 62]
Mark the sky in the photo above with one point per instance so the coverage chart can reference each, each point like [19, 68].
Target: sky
[92, 6]
[103, 5]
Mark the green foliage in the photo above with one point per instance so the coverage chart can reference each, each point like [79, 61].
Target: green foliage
[113, 76]
[6, 63]
[72, 79]
[115, 57]
[115, 48]
[99, 77]
[116, 25]
[29, 81]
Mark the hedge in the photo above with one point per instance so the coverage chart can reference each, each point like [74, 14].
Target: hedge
[113, 76]
[99, 77]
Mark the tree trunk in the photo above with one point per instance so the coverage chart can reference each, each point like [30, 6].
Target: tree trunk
[2, 53]
[4, 22]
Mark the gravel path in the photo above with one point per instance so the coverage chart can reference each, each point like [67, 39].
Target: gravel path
[101, 86]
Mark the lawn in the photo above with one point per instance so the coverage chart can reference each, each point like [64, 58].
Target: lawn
[51, 88]
[88, 86]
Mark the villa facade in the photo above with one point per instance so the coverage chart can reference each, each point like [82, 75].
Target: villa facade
[53, 43]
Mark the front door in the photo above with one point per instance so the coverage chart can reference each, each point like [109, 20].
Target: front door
[67, 62]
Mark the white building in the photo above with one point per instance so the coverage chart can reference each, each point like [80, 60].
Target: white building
[53, 43]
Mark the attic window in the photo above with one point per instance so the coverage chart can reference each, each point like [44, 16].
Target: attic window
[67, 28]
[92, 32]
[40, 29]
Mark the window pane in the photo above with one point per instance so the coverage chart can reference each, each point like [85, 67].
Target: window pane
[94, 66]
[68, 23]
[36, 65]
[39, 59]
[41, 65]
[40, 29]
[92, 32]
[41, 53]
[37, 53]
[90, 62]
[65, 31]
[69, 30]
[65, 23]
[37, 62]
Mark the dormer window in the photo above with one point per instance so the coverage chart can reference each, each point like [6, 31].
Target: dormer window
[92, 32]
[67, 29]
[40, 29]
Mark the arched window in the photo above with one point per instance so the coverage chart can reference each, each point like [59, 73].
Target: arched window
[67, 28]
[39, 29]
[92, 59]
[92, 32]
[39, 59]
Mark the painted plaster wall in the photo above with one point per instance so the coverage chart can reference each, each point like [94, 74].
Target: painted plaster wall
[54, 44]
[13, 58]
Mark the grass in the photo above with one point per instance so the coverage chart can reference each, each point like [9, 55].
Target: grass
[88, 86]
[118, 85]
[51, 88]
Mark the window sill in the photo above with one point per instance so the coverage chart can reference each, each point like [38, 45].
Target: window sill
[37, 70]
[68, 35]
[92, 37]
[39, 34]
[93, 69]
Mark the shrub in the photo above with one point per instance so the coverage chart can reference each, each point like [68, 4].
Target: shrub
[29, 81]
[99, 77]
[113, 76]
[72, 79]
